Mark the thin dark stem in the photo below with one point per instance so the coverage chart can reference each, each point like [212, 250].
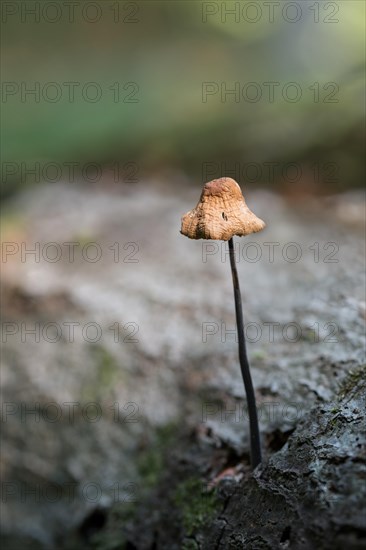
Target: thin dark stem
[255, 444]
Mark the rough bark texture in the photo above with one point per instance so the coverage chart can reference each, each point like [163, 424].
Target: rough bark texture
[310, 494]
[170, 450]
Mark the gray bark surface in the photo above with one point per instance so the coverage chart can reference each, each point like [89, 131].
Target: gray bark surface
[181, 469]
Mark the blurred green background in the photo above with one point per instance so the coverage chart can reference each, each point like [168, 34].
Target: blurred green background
[155, 97]
[150, 62]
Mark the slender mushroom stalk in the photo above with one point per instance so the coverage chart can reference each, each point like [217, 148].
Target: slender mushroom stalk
[255, 443]
[220, 214]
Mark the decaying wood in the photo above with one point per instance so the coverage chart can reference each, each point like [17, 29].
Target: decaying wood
[309, 495]
[220, 213]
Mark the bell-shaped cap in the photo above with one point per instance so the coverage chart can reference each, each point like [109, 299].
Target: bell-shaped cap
[220, 213]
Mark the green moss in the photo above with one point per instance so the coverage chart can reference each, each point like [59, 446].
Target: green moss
[150, 466]
[107, 368]
[335, 421]
[259, 355]
[197, 505]
[151, 461]
[107, 372]
[309, 335]
[352, 380]
[189, 544]
[112, 538]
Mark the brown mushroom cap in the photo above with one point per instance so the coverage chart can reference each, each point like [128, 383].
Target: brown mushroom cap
[220, 213]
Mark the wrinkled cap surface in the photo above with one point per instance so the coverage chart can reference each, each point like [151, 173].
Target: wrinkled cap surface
[220, 213]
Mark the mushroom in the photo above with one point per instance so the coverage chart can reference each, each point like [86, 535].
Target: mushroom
[220, 214]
